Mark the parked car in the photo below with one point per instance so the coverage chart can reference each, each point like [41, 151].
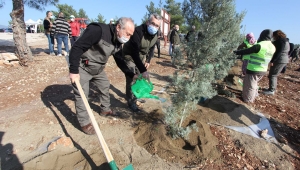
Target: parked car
[6, 30]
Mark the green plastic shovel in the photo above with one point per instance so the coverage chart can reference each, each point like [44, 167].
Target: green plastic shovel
[109, 158]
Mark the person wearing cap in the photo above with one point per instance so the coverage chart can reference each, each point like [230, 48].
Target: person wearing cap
[75, 28]
[260, 55]
[88, 58]
[111, 21]
[248, 42]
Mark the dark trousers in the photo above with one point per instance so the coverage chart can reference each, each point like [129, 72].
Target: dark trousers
[284, 69]
[131, 99]
[157, 44]
[273, 73]
[295, 58]
[73, 39]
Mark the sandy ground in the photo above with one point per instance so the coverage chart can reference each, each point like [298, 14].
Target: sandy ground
[37, 108]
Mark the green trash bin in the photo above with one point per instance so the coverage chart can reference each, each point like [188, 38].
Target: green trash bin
[142, 89]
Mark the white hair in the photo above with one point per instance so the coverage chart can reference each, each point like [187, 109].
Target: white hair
[123, 20]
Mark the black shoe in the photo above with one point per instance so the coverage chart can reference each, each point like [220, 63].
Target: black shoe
[141, 100]
[133, 107]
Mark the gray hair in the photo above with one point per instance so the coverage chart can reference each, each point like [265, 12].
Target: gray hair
[123, 21]
[155, 15]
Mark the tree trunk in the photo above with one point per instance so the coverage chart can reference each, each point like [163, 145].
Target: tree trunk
[23, 52]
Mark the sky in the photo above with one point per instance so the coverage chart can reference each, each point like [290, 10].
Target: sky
[260, 14]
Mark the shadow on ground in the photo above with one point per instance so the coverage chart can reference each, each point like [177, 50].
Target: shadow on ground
[8, 159]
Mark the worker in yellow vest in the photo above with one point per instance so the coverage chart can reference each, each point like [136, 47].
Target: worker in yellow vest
[260, 56]
[248, 42]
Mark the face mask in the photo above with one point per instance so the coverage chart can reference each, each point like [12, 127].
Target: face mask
[177, 29]
[123, 39]
[72, 19]
[151, 30]
[52, 17]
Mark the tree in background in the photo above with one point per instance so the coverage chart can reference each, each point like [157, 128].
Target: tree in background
[116, 18]
[151, 10]
[23, 52]
[2, 3]
[191, 13]
[100, 18]
[68, 10]
[209, 60]
[82, 14]
[93, 20]
[174, 10]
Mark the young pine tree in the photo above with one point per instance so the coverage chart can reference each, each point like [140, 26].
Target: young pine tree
[205, 60]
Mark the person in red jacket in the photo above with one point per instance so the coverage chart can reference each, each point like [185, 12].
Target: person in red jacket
[75, 27]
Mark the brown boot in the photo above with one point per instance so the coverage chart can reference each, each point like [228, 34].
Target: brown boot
[88, 129]
[108, 113]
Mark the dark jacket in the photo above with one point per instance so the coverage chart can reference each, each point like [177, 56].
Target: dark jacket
[292, 46]
[174, 38]
[47, 27]
[190, 36]
[281, 54]
[134, 47]
[159, 34]
[265, 35]
[96, 44]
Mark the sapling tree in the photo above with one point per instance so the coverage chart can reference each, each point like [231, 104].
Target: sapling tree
[203, 62]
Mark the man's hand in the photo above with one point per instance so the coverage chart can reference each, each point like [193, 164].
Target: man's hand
[147, 65]
[135, 77]
[73, 77]
[146, 76]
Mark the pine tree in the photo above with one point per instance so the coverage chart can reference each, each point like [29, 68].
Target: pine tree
[209, 59]
[100, 18]
[82, 13]
[151, 10]
[68, 10]
[174, 10]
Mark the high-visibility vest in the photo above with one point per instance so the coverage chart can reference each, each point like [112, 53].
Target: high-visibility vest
[247, 56]
[259, 61]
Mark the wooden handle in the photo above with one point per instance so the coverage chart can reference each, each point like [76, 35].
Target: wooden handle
[94, 123]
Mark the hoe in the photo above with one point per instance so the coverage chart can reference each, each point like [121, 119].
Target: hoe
[109, 158]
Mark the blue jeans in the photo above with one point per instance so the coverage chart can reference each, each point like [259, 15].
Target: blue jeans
[170, 49]
[51, 49]
[62, 38]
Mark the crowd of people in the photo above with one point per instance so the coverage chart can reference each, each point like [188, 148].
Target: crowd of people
[133, 47]
[272, 50]
[61, 30]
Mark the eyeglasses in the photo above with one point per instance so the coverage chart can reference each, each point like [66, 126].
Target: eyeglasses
[152, 23]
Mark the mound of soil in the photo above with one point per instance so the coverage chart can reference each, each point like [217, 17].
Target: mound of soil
[196, 149]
